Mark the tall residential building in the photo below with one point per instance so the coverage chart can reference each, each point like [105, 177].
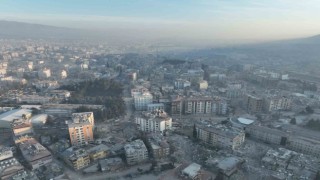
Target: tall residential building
[81, 128]
[198, 105]
[254, 104]
[219, 106]
[136, 152]
[142, 100]
[156, 121]
[176, 105]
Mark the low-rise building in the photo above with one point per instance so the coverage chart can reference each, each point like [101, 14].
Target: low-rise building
[111, 164]
[98, 152]
[34, 153]
[192, 171]
[76, 158]
[159, 146]
[9, 168]
[136, 152]
[7, 118]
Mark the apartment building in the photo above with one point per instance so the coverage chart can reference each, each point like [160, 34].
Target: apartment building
[77, 159]
[277, 103]
[221, 136]
[198, 105]
[142, 100]
[156, 121]
[254, 104]
[297, 141]
[81, 128]
[136, 152]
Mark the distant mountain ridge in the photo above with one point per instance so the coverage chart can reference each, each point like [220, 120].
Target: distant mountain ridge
[12, 29]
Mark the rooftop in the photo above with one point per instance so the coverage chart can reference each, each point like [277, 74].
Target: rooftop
[33, 150]
[192, 170]
[135, 145]
[14, 114]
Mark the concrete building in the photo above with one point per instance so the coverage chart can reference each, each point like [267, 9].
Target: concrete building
[277, 103]
[221, 136]
[34, 153]
[254, 104]
[297, 141]
[141, 101]
[181, 84]
[198, 105]
[83, 116]
[192, 171]
[5, 153]
[176, 105]
[266, 134]
[156, 121]
[304, 145]
[219, 106]
[7, 118]
[81, 128]
[111, 164]
[34, 99]
[159, 146]
[155, 106]
[22, 128]
[76, 158]
[136, 152]
[98, 152]
[9, 168]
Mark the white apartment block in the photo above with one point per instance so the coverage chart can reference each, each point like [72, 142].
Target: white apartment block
[141, 101]
[156, 121]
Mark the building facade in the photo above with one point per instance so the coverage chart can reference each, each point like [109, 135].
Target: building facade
[81, 128]
[231, 138]
[136, 152]
[156, 121]
[141, 101]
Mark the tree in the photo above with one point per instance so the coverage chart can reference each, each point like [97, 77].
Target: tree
[309, 110]
[194, 131]
[293, 121]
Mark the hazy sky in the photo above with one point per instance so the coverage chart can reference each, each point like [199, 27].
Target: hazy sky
[194, 19]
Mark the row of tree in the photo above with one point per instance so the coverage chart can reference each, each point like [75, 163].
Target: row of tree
[101, 92]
